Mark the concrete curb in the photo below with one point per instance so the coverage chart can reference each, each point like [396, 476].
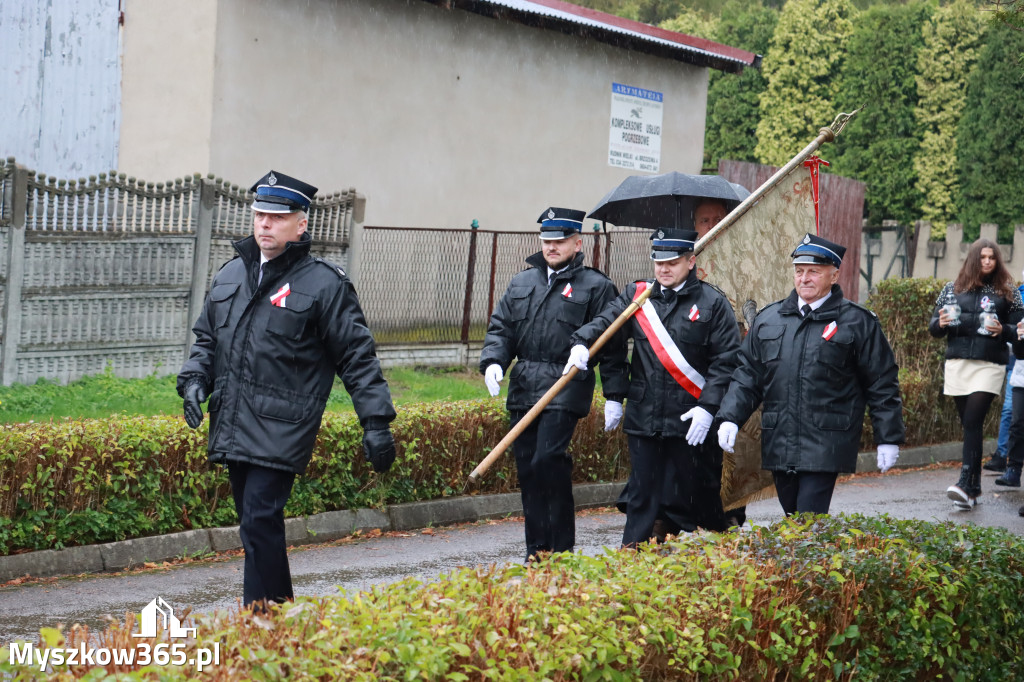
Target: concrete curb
[114, 556]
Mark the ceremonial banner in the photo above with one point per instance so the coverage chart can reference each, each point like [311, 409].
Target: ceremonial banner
[750, 262]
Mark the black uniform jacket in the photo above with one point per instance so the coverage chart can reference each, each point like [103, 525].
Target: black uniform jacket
[709, 344]
[271, 368]
[533, 322]
[814, 389]
[963, 340]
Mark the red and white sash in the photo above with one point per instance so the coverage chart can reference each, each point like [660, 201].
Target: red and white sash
[665, 348]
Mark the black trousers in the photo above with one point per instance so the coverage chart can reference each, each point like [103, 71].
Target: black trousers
[805, 491]
[674, 482]
[260, 495]
[1015, 444]
[545, 481]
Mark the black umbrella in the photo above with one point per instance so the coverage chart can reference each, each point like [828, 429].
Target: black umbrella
[666, 200]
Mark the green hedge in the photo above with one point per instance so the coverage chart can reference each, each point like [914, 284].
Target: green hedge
[822, 598]
[80, 482]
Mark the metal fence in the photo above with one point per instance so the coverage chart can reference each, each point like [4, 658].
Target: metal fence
[426, 285]
[113, 270]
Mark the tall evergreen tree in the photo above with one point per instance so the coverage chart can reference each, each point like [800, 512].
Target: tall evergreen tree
[879, 74]
[731, 127]
[951, 41]
[990, 137]
[802, 68]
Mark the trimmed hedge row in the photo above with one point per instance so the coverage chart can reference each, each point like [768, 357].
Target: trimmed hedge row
[834, 598]
[81, 482]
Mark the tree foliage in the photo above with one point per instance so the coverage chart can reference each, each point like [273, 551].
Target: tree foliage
[1009, 12]
[802, 69]
[731, 127]
[990, 137]
[648, 11]
[951, 41]
[692, 22]
[879, 145]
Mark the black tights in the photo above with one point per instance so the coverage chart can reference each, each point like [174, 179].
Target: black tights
[972, 410]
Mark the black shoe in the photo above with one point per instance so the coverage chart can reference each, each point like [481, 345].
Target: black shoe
[997, 463]
[1010, 478]
[961, 500]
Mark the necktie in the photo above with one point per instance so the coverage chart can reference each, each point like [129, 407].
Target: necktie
[259, 279]
[669, 295]
[805, 310]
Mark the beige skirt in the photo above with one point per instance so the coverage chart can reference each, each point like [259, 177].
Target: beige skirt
[964, 377]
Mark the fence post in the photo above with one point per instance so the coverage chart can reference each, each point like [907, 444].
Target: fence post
[494, 267]
[467, 306]
[356, 236]
[595, 259]
[200, 257]
[15, 276]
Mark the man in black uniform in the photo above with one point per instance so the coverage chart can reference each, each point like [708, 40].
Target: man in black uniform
[815, 359]
[276, 327]
[685, 340]
[543, 305]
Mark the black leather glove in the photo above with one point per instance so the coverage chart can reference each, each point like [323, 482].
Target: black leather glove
[195, 396]
[379, 448]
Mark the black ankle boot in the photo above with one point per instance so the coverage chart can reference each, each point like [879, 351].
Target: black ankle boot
[1010, 478]
[997, 463]
[965, 493]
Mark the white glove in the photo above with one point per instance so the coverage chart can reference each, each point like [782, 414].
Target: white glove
[492, 377]
[887, 456]
[699, 426]
[727, 436]
[578, 357]
[612, 414]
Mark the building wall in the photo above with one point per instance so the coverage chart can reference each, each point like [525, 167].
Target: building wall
[168, 87]
[60, 85]
[438, 116]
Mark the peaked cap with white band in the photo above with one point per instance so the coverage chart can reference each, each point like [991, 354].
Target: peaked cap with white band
[559, 223]
[671, 243]
[279, 193]
[815, 249]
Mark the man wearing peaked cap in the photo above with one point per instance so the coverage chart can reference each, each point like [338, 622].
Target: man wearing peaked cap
[685, 340]
[815, 360]
[276, 327]
[531, 325]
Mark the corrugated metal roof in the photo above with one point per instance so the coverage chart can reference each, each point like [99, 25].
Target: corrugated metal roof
[608, 28]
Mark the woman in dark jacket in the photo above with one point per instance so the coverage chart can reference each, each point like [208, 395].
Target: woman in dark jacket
[977, 313]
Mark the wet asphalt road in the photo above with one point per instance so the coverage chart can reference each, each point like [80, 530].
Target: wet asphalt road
[359, 564]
